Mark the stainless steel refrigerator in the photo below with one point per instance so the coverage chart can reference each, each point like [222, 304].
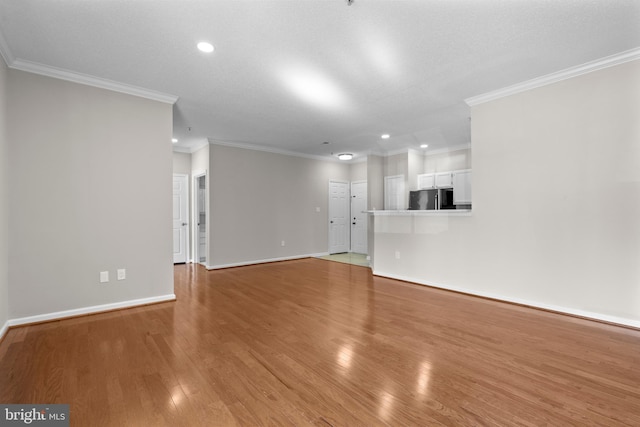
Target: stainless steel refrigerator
[431, 199]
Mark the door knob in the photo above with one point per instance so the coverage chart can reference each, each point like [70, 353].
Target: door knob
[184, 223]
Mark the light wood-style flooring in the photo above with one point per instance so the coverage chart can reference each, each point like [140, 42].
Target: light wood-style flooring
[311, 342]
[348, 258]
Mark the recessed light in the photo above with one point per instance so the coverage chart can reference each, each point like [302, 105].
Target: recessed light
[385, 136]
[345, 156]
[205, 47]
[174, 140]
[424, 145]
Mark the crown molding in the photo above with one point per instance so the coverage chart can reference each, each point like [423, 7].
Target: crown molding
[272, 150]
[85, 79]
[356, 159]
[200, 146]
[447, 149]
[395, 152]
[187, 150]
[191, 148]
[425, 151]
[599, 64]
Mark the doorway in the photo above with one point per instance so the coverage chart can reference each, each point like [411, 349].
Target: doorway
[200, 213]
[338, 217]
[180, 218]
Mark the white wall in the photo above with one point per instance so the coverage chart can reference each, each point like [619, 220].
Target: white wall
[375, 183]
[375, 196]
[259, 199]
[182, 163]
[556, 203]
[449, 161]
[90, 191]
[358, 171]
[200, 160]
[199, 165]
[415, 167]
[4, 225]
[398, 164]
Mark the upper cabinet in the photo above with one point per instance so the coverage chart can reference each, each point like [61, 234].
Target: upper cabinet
[459, 180]
[444, 180]
[462, 187]
[426, 181]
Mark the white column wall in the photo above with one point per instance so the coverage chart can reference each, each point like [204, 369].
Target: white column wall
[556, 203]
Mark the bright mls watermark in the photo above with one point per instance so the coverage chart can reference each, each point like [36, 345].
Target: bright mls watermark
[36, 415]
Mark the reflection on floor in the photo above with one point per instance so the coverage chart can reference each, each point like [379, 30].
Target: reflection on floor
[348, 258]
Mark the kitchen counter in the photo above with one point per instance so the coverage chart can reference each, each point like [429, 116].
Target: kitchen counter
[443, 212]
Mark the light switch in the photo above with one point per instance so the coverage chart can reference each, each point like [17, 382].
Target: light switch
[104, 276]
[122, 274]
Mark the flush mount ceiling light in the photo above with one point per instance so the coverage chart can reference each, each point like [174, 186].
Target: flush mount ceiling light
[174, 140]
[385, 136]
[424, 145]
[205, 47]
[345, 156]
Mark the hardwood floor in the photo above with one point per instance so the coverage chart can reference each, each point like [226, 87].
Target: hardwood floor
[311, 342]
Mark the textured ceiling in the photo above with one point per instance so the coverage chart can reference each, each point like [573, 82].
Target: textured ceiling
[289, 75]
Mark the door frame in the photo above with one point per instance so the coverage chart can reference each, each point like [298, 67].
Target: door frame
[187, 243]
[195, 187]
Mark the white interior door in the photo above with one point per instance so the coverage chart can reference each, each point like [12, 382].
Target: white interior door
[394, 192]
[358, 218]
[338, 217]
[200, 218]
[180, 217]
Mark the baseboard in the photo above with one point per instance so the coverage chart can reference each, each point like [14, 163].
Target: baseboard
[87, 310]
[264, 261]
[621, 321]
[4, 330]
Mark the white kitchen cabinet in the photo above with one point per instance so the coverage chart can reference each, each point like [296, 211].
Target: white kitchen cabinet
[444, 180]
[426, 181]
[462, 187]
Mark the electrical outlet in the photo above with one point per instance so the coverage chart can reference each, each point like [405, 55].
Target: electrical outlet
[397, 254]
[122, 274]
[104, 276]
[282, 243]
